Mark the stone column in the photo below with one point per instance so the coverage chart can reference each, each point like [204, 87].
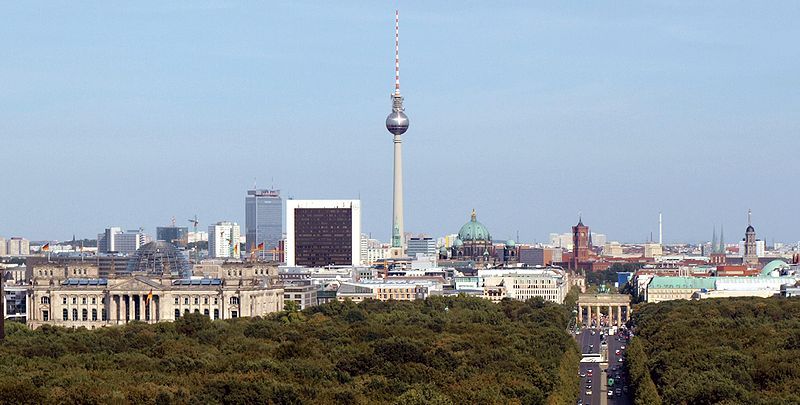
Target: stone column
[580, 314]
[130, 308]
[619, 315]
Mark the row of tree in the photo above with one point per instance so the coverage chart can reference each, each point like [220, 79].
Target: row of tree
[440, 350]
[731, 351]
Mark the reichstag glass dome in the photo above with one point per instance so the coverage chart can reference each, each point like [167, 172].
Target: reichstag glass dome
[159, 258]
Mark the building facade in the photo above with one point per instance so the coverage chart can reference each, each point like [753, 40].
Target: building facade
[114, 240]
[176, 235]
[223, 240]
[263, 219]
[74, 295]
[323, 233]
[421, 245]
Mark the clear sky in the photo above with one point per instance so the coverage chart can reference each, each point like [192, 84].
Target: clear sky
[125, 114]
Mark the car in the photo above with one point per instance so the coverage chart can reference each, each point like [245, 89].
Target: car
[610, 394]
[582, 375]
[615, 368]
[580, 402]
[588, 386]
[589, 372]
[591, 347]
[593, 332]
[617, 352]
[589, 381]
[622, 347]
[588, 393]
[618, 391]
[621, 360]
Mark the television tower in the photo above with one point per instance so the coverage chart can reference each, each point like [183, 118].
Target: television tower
[397, 124]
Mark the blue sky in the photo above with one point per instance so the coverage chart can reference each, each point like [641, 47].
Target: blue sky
[128, 114]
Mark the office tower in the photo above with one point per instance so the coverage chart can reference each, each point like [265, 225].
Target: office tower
[3, 250]
[18, 247]
[114, 240]
[263, 219]
[177, 235]
[397, 124]
[421, 245]
[223, 240]
[323, 233]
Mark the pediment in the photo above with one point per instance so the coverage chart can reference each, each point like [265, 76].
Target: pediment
[136, 284]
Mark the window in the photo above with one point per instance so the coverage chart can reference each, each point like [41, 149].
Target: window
[234, 300]
[234, 314]
[205, 312]
[74, 300]
[104, 315]
[186, 311]
[177, 300]
[215, 301]
[66, 316]
[177, 313]
[94, 300]
[83, 300]
[45, 315]
[64, 301]
[196, 301]
[205, 301]
[45, 300]
[186, 301]
[85, 315]
[94, 314]
[216, 314]
[74, 314]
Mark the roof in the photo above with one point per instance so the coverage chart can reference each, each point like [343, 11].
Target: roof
[695, 283]
[772, 266]
[201, 281]
[474, 231]
[85, 281]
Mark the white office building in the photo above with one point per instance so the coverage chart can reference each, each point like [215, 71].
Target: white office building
[115, 240]
[223, 240]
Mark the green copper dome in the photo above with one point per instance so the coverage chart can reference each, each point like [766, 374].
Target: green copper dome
[458, 243]
[772, 266]
[510, 243]
[474, 231]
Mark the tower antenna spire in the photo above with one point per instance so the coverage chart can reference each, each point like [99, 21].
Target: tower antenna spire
[397, 52]
[749, 217]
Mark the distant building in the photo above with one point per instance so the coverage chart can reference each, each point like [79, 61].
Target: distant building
[3, 247]
[114, 240]
[18, 247]
[652, 250]
[549, 283]
[323, 233]
[198, 236]
[223, 240]
[539, 256]
[263, 219]
[421, 245]
[612, 249]
[176, 235]
[750, 246]
[580, 245]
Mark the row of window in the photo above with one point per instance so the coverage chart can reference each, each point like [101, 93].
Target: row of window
[233, 301]
[234, 314]
[84, 300]
[84, 315]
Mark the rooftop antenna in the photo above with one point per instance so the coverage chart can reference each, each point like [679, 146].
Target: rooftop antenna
[254, 183]
[749, 217]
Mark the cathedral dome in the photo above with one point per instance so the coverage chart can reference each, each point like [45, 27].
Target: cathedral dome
[474, 231]
[510, 243]
[458, 243]
[159, 258]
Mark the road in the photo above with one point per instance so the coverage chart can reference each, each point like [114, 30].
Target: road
[592, 344]
[616, 343]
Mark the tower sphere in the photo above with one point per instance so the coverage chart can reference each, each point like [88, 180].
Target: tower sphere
[397, 122]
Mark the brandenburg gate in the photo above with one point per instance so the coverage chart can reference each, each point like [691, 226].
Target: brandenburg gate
[592, 303]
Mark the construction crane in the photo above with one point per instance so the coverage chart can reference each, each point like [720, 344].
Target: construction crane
[194, 223]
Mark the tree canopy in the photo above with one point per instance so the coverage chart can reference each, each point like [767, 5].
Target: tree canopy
[730, 351]
[441, 350]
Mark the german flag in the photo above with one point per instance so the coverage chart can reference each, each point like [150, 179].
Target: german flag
[46, 247]
[149, 297]
[260, 246]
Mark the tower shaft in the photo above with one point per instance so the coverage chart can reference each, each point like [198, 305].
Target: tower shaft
[397, 203]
